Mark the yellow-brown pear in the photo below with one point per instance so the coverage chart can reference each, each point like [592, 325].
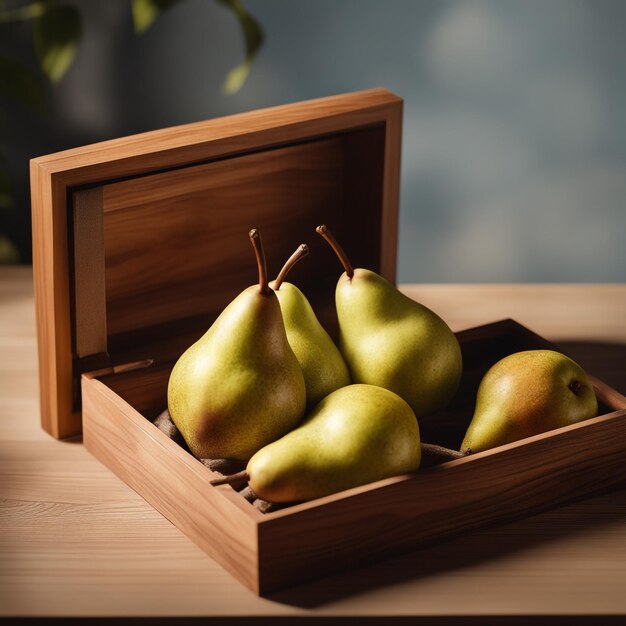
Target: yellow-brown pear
[239, 387]
[528, 393]
[322, 365]
[356, 435]
[391, 341]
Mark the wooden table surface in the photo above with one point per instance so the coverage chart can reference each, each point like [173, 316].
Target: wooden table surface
[76, 541]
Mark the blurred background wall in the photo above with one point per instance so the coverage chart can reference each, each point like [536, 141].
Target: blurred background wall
[514, 154]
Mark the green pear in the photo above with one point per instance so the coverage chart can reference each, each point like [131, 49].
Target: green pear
[239, 387]
[527, 393]
[391, 341]
[322, 365]
[356, 435]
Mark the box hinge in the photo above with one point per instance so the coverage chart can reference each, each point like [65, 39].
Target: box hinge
[104, 367]
[96, 365]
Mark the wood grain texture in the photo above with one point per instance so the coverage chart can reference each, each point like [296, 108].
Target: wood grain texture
[177, 243]
[557, 311]
[377, 520]
[89, 304]
[75, 540]
[52, 302]
[391, 195]
[171, 480]
[201, 141]
[235, 138]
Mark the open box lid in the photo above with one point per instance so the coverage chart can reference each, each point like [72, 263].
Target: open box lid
[140, 242]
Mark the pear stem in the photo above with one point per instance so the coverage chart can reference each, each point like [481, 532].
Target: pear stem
[338, 250]
[255, 240]
[232, 478]
[300, 253]
[439, 454]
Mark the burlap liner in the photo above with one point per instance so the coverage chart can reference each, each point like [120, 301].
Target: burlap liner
[431, 455]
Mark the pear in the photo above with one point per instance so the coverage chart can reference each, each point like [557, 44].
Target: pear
[322, 365]
[391, 341]
[239, 387]
[356, 435]
[527, 393]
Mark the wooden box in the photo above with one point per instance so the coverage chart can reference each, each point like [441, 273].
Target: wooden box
[141, 241]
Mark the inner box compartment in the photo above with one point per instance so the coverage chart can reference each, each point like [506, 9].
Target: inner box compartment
[146, 389]
[482, 347]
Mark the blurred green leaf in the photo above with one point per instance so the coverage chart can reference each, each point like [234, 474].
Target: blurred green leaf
[236, 78]
[9, 254]
[253, 37]
[8, 251]
[146, 11]
[6, 197]
[22, 83]
[20, 14]
[56, 34]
